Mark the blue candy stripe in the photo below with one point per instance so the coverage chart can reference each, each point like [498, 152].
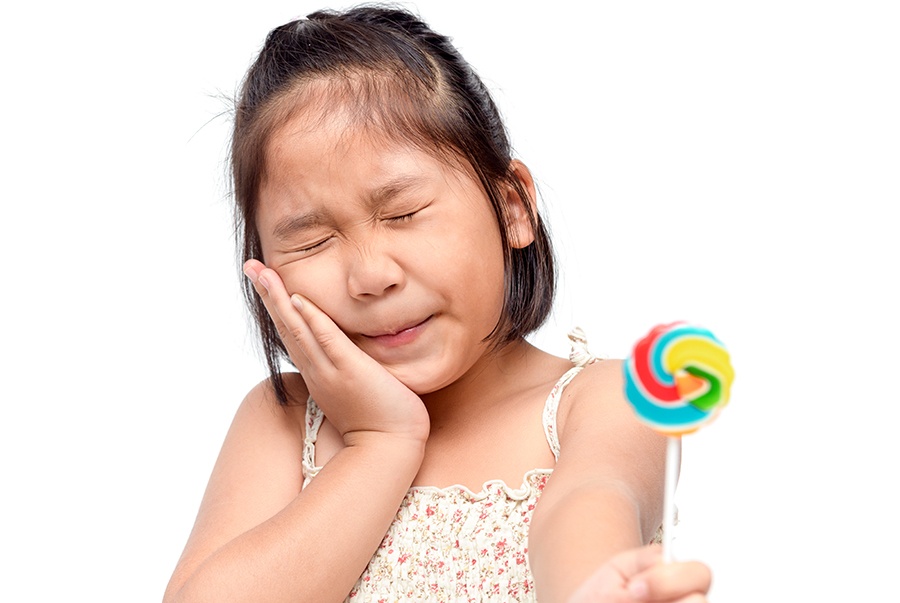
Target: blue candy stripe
[670, 418]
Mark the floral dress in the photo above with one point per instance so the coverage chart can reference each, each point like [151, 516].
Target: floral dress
[452, 545]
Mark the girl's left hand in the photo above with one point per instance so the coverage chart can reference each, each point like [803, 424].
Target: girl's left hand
[640, 575]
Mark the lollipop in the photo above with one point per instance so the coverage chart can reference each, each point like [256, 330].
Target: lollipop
[677, 378]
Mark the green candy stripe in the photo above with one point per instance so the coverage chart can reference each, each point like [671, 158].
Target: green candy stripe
[713, 396]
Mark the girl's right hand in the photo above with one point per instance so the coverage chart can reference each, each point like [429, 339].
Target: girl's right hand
[358, 395]
[641, 575]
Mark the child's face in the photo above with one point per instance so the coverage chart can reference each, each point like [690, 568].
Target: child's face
[400, 250]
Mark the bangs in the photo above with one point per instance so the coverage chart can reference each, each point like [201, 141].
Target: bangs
[386, 107]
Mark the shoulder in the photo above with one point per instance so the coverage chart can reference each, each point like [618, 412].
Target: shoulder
[594, 406]
[264, 391]
[263, 426]
[598, 388]
[262, 399]
[599, 377]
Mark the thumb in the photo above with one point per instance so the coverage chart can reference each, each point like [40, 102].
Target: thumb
[669, 581]
[633, 562]
[610, 582]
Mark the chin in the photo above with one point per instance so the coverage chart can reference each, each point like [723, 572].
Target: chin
[420, 383]
[420, 386]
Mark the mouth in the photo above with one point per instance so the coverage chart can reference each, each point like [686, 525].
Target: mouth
[399, 336]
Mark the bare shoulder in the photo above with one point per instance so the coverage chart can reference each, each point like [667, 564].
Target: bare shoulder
[263, 433]
[260, 416]
[258, 472]
[597, 397]
[601, 378]
[261, 401]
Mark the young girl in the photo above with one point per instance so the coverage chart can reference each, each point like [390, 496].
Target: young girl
[424, 451]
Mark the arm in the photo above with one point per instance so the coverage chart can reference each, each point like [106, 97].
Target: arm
[257, 536]
[606, 492]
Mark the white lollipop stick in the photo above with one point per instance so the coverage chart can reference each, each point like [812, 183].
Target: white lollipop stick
[673, 459]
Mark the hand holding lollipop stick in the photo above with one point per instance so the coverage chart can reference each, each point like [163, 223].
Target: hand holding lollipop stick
[677, 378]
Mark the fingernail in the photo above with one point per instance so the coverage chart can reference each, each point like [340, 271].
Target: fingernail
[249, 274]
[637, 589]
[262, 281]
[298, 303]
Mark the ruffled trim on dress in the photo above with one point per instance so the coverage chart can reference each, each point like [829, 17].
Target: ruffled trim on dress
[534, 479]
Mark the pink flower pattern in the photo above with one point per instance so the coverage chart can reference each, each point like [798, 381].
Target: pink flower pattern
[453, 545]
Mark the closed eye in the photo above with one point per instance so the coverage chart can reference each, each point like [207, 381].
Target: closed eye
[312, 247]
[406, 217]
[403, 218]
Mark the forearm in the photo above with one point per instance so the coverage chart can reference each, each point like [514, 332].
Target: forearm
[318, 545]
[569, 541]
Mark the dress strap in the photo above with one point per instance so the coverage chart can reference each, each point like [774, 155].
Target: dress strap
[580, 357]
[314, 416]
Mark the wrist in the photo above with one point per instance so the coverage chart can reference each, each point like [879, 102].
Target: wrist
[402, 443]
[378, 451]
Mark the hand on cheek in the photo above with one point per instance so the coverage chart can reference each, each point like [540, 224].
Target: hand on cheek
[357, 394]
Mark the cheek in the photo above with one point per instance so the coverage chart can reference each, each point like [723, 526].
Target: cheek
[473, 265]
[315, 279]
[464, 253]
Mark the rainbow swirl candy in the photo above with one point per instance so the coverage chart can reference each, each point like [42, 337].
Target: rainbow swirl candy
[678, 378]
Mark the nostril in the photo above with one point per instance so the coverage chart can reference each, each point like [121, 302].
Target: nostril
[374, 275]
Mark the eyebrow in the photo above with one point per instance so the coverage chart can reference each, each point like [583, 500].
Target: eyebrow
[393, 188]
[290, 225]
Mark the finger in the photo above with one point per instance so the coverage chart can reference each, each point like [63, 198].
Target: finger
[332, 341]
[671, 582]
[634, 561]
[294, 329]
[611, 581]
[253, 269]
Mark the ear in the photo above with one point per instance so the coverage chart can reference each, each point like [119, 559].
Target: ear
[519, 210]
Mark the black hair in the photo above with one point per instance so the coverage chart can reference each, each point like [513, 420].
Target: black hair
[404, 81]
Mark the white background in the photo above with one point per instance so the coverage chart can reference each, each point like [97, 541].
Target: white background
[732, 164]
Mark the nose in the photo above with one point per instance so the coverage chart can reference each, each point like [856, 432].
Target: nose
[373, 273]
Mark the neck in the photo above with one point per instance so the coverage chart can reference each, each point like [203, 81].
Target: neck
[488, 379]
